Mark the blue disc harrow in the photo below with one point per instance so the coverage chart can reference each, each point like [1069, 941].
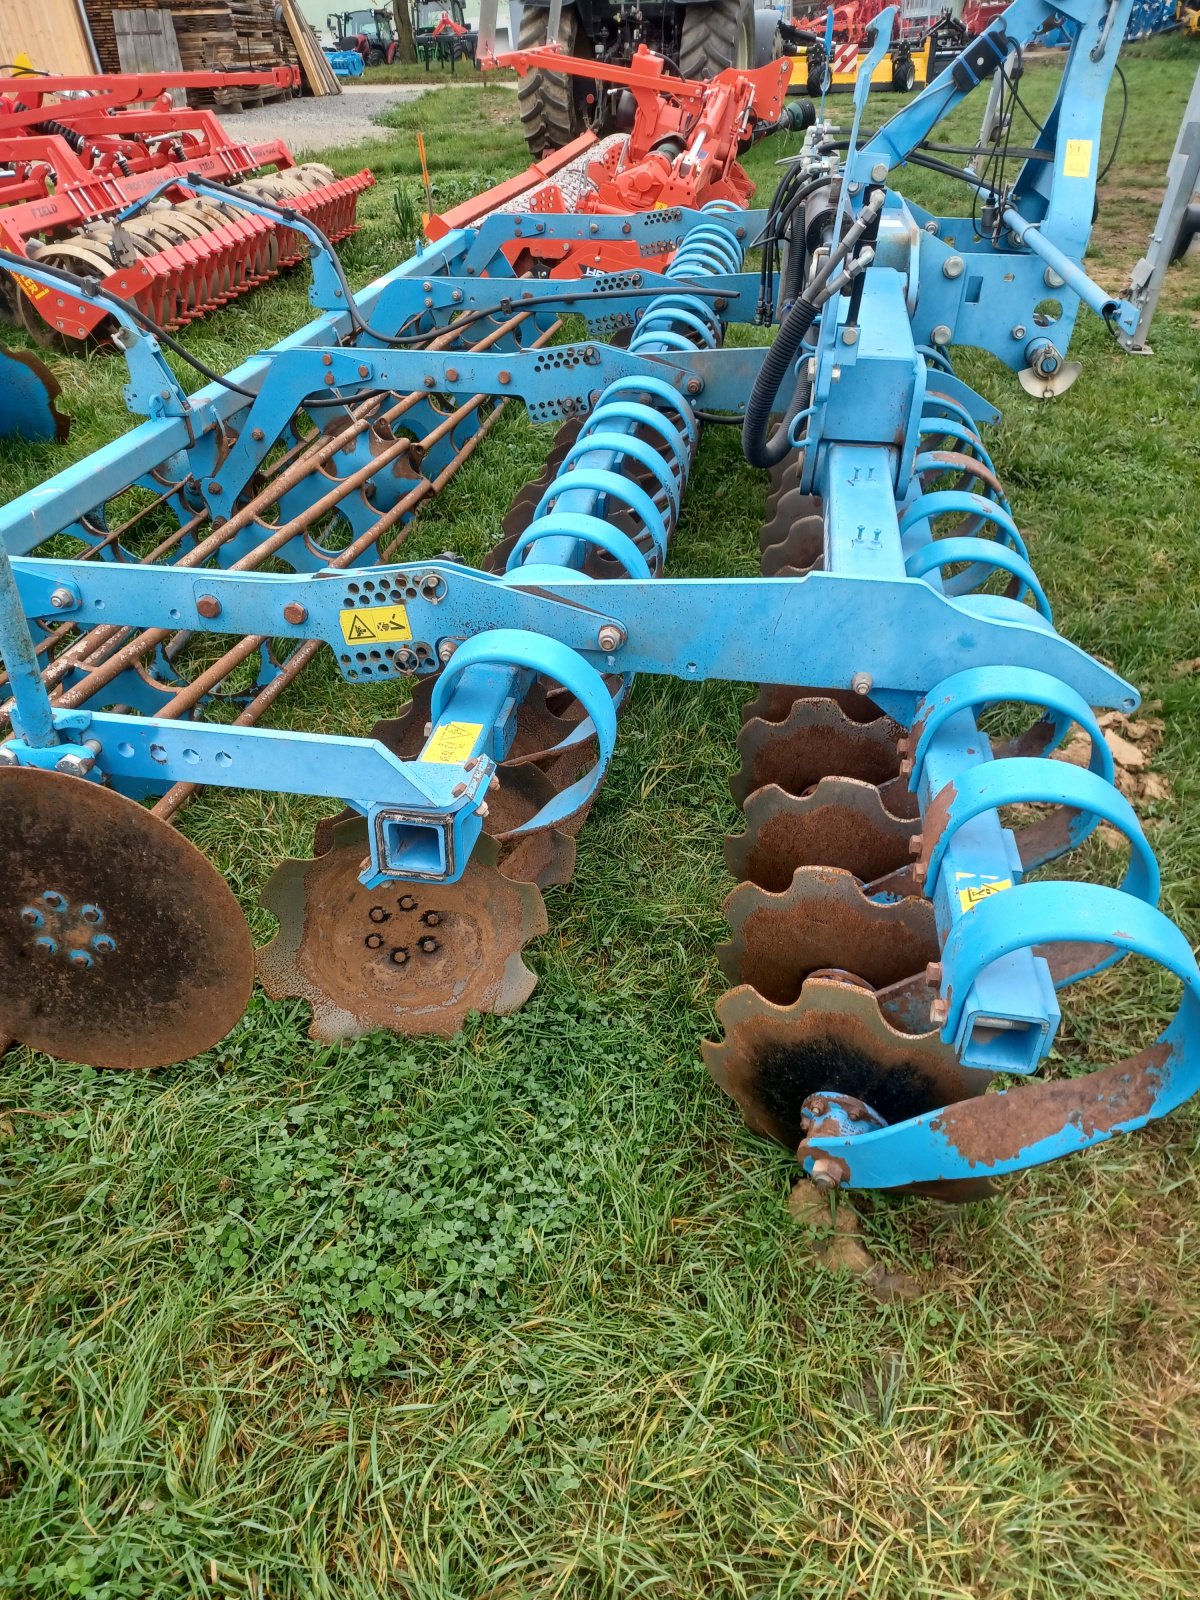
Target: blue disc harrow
[898, 935]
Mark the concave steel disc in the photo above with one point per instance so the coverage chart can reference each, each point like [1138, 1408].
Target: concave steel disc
[413, 957]
[120, 944]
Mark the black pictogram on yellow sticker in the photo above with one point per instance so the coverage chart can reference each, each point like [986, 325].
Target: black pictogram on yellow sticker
[375, 625]
[452, 741]
[971, 895]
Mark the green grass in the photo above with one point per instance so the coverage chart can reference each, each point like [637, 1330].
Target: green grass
[523, 1315]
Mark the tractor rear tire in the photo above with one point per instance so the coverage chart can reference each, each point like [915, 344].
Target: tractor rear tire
[717, 36]
[552, 106]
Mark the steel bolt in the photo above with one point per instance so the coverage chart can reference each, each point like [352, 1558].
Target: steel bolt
[952, 267]
[879, 172]
[862, 683]
[695, 385]
[208, 606]
[430, 380]
[481, 810]
[214, 487]
[81, 959]
[933, 974]
[407, 902]
[1019, 331]
[32, 918]
[364, 371]
[75, 766]
[505, 376]
[45, 946]
[103, 945]
[938, 1011]
[942, 334]
[850, 335]
[456, 296]
[853, 188]
[8, 756]
[295, 613]
[327, 359]
[458, 789]
[446, 649]
[914, 844]
[610, 637]
[61, 599]
[257, 435]
[451, 374]
[400, 955]
[931, 227]
[825, 1174]
[428, 945]
[431, 919]
[1051, 279]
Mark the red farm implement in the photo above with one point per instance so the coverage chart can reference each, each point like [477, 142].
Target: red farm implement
[94, 179]
[680, 149]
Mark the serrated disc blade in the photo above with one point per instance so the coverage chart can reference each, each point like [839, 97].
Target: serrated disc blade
[823, 920]
[412, 957]
[841, 823]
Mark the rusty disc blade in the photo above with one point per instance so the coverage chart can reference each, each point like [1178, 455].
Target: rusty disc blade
[815, 740]
[412, 957]
[823, 919]
[833, 1039]
[799, 549]
[120, 944]
[842, 822]
[775, 700]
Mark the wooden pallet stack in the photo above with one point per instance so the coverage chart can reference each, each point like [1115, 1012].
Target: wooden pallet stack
[223, 33]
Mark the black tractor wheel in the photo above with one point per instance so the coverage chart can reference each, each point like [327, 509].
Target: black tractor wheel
[376, 56]
[555, 108]
[904, 74]
[717, 36]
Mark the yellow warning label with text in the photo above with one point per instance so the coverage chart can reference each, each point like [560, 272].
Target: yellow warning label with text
[453, 741]
[1077, 162]
[970, 896]
[375, 625]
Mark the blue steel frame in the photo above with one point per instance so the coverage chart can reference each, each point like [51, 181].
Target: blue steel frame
[880, 388]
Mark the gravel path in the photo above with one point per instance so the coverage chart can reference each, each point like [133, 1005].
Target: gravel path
[311, 126]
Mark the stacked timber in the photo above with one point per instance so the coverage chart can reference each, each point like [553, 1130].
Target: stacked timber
[224, 33]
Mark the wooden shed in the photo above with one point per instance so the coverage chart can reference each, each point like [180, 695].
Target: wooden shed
[53, 34]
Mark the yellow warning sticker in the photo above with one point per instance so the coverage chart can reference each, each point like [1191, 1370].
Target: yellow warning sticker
[970, 897]
[1077, 162]
[453, 741]
[375, 625]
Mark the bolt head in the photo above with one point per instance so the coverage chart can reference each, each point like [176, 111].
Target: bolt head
[61, 599]
[1051, 279]
[446, 649]
[1019, 331]
[849, 335]
[75, 766]
[862, 683]
[825, 1175]
[295, 613]
[8, 756]
[610, 637]
[953, 267]
[938, 1011]
[208, 606]
[879, 172]
[694, 385]
[942, 334]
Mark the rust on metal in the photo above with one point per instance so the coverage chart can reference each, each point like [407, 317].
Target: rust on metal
[842, 822]
[365, 958]
[816, 739]
[1000, 1127]
[120, 945]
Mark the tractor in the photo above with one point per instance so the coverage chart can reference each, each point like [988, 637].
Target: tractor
[698, 39]
[370, 34]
